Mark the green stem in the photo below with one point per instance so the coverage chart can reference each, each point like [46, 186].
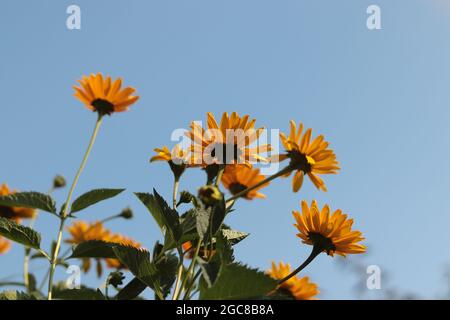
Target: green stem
[267, 180]
[65, 212]
[314, 253]
[179, 275]
[176, 184]
[190, 269]
[187, 294]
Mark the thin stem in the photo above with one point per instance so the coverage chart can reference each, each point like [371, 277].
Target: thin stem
[190, 269]
[67, 205]
[176, 183]
[188, 291]
[179, 275]
[314, 253]
[267, 180]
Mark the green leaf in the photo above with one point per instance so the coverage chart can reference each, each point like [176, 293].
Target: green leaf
[15, 295]
[139, 264]
[188, 227]
[210, 219]
[132, 290]
[33, 200]
[210, 271]
[223, 256]
[92, 197]
[95, 249]
[60, 291]
[234, 236]
[237, 281]
[19, 233]
[166, 217]
[166, 267]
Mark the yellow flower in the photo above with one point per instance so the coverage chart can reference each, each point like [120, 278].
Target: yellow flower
[307, 157]
[82, 231]
[5, 245]
[178, 159]
[332, 233]
[228, 142]
[14, 213]
[299, 288]
[104, 96]
[237, 178]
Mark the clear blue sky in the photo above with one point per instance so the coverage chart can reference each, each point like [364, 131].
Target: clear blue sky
[380, 97]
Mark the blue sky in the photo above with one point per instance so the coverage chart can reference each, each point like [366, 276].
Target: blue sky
[380, 97]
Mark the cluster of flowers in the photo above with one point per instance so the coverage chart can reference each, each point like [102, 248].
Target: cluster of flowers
[327, 231]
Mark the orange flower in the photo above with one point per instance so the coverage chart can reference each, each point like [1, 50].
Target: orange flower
[299, 288]
[82, 231]
[5, 245]
[227, 142]
[330, 232]
[312, 158]
[237, 178]
[104, 96]
[14, 213]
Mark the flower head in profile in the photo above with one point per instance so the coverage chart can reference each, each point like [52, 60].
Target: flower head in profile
[103, 95]
[228, 142]
[237, 178]
[331, 233]
[5, 245]
[14, 213]
[299, 288]
[178, 159]
[307, 156]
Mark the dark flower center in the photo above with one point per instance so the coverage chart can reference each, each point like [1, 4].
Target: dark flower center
[103, 106]
[236, 188]
[226, 153]
[299, 161]
[323, 243]
[7, 212]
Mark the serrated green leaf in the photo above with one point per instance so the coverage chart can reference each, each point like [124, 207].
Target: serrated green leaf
[61, 292]
[166, 267]
[234, 236]
[16, 295]
[166, 217]
[19, 233]
[139, 264]
[237, 281]
[211, 271]
[92, 197]
[94, 249]
[34, 200]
